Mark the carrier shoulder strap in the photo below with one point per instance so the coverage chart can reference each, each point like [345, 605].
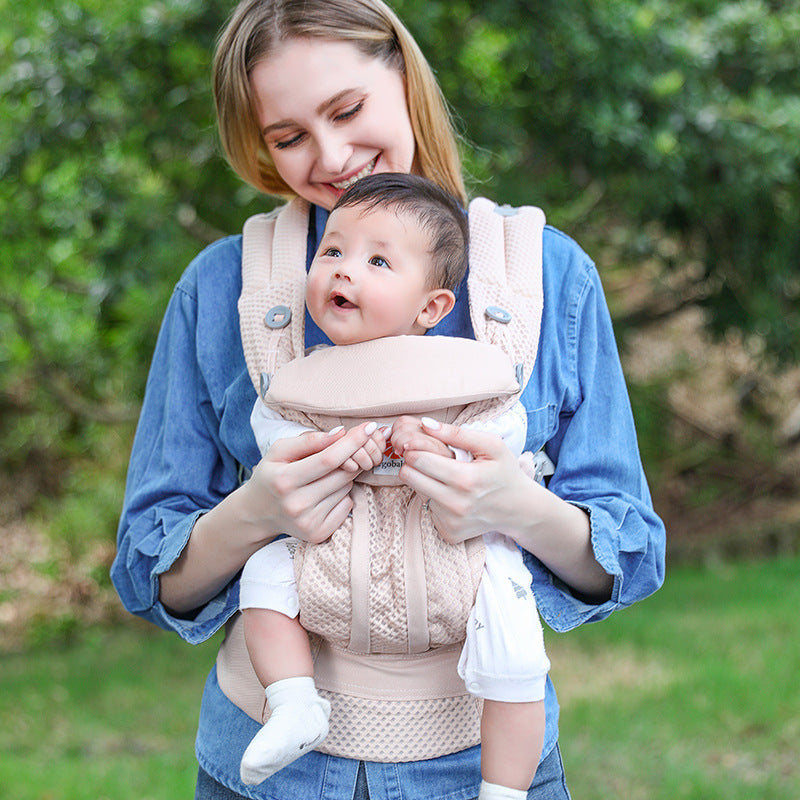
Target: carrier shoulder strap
[272, 302]
[505, 279]
[505, 284]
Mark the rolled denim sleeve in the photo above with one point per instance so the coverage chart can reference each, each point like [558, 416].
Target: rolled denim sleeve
[598, 467]
[179, 468]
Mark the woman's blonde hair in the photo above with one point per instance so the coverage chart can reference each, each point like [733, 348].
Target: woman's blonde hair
[255, 30]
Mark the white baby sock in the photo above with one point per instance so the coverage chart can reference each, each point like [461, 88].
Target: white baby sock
[493, 791]
[298, 723]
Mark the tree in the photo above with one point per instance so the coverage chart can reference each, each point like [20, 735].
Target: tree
[684, 117]
[108, 164]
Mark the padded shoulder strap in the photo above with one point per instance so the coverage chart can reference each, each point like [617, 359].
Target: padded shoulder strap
[505, 279]
[272, 303]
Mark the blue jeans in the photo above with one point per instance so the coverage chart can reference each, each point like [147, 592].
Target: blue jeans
[548, 784]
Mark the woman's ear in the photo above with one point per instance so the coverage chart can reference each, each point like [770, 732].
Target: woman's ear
[439, 304]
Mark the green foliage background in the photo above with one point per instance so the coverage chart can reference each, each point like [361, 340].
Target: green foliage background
[680, 118]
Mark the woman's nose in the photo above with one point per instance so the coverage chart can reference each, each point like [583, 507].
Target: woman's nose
[333, 154]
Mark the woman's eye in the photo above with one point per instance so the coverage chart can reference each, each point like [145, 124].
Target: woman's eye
[350, 112]
[379, 261]
[284, 143]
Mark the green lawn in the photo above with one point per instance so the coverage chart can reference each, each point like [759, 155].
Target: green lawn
[691, 694]
[694, 693]
[111, 715]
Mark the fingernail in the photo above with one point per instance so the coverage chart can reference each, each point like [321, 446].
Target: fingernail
[371, 428]
[431, 423]
[334, 431]
[386, 430]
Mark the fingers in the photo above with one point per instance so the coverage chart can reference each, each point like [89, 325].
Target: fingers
[423, 483]
[362, 446]
[479, 443]
[296, 448]
[438, 468]
[408, 434]
[317, 454]
[335, 518]
[321, 506]
[371, 454]
[325, 517]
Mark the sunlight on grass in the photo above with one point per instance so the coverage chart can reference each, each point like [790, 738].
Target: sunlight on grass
[690, 695]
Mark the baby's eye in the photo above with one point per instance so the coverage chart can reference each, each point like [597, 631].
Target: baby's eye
[332, 252]
[379, 261]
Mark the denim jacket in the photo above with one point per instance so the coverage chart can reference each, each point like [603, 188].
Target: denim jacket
[194, 446]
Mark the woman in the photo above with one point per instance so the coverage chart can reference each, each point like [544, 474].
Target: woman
[311, 96]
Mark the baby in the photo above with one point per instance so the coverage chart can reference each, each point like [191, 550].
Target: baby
[393, 252]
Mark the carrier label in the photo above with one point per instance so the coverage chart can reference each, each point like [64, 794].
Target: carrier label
[391, 463]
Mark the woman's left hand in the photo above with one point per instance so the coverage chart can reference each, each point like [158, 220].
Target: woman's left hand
[492, 493]
[468, 498]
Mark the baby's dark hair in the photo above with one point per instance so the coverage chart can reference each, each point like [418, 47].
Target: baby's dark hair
[437, 211]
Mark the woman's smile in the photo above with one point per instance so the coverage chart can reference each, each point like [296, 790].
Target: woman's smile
[325, 134]
[343, 185]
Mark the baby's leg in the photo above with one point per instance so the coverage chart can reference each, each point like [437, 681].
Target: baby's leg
[281, 657]
[512, 737]
[504, 662]
[278, 645]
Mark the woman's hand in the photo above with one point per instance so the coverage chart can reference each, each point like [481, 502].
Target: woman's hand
[492, 493]
[301, 486]
[466, 499]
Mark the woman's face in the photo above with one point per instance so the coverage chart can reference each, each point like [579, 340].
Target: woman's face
[330, 115]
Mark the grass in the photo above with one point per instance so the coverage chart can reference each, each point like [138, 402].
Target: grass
[690, 694]
[111, 714]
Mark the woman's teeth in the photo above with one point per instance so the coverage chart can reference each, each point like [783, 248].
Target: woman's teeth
[357, 177]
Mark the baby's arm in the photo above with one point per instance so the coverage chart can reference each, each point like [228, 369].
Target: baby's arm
[269, 426]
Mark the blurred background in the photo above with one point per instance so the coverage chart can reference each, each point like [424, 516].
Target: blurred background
[663, 136]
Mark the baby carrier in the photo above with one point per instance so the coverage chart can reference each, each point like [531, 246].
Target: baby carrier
[385, 600]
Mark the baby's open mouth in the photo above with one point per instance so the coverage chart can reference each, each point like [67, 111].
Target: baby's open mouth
[342, 302]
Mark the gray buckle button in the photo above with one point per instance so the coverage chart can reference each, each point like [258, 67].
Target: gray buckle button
[278, 317]
[498, 314]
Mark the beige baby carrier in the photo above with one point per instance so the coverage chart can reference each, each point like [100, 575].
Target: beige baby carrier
[385, 600]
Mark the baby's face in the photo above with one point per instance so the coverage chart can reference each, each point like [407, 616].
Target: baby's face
[369, 276]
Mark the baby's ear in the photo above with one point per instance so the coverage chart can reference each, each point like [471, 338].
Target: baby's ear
[439, 304]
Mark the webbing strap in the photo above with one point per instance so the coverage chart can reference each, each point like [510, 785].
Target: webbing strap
[359, 572]
[416, 587]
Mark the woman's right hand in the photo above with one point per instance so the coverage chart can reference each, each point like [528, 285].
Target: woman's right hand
[302, 486]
